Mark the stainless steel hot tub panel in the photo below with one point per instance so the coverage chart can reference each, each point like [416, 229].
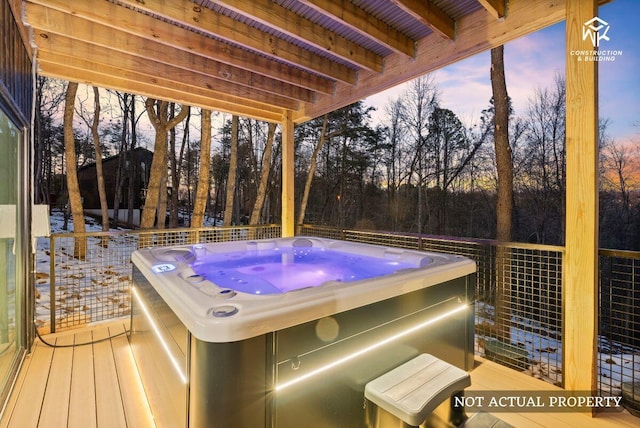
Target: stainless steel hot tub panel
[165, 388]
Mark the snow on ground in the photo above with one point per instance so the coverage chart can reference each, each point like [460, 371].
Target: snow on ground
[85, 291]
[618, 363]
[74, 266]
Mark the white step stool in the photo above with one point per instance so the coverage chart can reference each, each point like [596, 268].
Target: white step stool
[413, 390]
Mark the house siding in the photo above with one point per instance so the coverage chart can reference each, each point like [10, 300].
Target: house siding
[16, 81]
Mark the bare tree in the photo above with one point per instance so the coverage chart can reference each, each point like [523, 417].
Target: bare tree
[126, 102]
[620, 164]
[202, 188]
[264, 176]
[80, 244]
[162, 124]
[93, 125]
[504, 166]
[176, 168]
[48, 135]
[312, 171]
[419, 101]
[541, 159]
[102, 192]
[394, 161]
[231, 178]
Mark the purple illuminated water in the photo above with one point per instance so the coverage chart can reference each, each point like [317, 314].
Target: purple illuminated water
[291, 268]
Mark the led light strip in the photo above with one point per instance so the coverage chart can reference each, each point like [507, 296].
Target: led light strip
[370, 348]
[164, 343]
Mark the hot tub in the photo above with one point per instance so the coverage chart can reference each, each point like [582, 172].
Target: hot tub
[286, 332]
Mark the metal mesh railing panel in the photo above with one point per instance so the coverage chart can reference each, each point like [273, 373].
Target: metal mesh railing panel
[528, 306]
[385, 239]
[619, 321]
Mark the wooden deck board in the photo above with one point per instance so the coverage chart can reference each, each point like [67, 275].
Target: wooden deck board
[55, 404]
[109, 406]
[489, 376]
[25, 415]
[82, 402]
[13, 397]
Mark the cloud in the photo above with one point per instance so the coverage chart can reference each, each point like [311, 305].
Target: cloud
[532, 63]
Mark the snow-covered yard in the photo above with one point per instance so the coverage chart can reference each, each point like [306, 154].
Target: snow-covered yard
[617, 362]
[87, 284]
[97, 287]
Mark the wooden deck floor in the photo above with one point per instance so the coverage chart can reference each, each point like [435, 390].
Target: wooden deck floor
[98, 386]
[85, 386]
[489, 376]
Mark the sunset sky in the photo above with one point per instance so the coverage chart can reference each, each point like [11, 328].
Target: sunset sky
[532, 62]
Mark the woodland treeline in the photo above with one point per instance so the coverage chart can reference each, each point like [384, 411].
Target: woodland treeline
[420, 170]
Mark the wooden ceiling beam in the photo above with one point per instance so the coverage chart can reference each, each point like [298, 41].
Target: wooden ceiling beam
[365, 24]
[111, 79]
[429, 15]
[495, 7]
[58, 22]
[190, 14]
[275, 16]
[476, 32]
[77, 51]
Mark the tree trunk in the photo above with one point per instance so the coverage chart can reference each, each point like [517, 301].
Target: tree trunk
[121, 171]
[231, 178]
[175, 180]
[102, 192]
[176, 168]
[264, 178]
[202, 188]
[312, 171]
[161, 124]
[504, 208]
[162, 199]
[80, 245]
[133, 165]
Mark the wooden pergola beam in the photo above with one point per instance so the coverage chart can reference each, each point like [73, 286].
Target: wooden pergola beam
[106, 24]
[580, 275]
[430, 15]
[122, 82]
[288, 22]
[434, 52]
[81, 55]
[367, 25]
[187, 13]
[495, 7]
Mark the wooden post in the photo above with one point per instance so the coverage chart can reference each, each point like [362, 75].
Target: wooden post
[288, 173]
[580, 279]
